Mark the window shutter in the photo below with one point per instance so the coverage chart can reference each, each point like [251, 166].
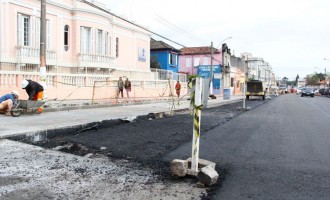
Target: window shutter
[19, 30]
[82, 46]
[49, 32]
[96, 42]
[38, 32]
[92, 40]
[33, 29]
[103, 43]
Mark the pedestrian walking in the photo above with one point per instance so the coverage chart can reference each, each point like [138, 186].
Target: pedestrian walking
[178, 88]
[7, 101]
[34, 90]
[127, 86]
[120, 87]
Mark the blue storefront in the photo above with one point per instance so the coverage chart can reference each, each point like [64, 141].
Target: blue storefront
[204, 72]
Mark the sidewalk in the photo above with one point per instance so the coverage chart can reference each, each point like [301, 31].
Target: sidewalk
[79, 113]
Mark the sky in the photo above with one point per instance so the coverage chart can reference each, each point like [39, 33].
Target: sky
[293, 36]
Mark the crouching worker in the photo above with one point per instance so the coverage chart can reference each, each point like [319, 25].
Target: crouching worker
[7, 101]
[34, 90]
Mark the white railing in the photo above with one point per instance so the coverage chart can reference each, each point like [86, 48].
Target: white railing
[8, 79]
[161, 74]
[26, 54]
[95, 60]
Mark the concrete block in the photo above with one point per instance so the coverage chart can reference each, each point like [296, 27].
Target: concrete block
[179, 167]
[202, 163]
[208, 176]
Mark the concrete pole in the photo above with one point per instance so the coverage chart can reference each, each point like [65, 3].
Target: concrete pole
[196, 125]
[211, 70]
[43, 46]
[246, 69]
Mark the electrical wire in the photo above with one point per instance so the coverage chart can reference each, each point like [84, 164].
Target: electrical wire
[177, 28]
[139, 26]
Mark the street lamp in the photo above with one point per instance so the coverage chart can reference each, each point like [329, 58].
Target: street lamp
[224, 41]
[325, 71]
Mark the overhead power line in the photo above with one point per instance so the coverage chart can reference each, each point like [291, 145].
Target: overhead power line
[141, 27]
[177, 28]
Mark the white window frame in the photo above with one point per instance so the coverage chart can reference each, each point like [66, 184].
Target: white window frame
[206, 61]
[66, 39]
[99, 41]
[188, 62]
[173, 59]
[106, 43]
[24, 30]
[37, 39]
[48, 33]
[85, 39]
[196, 62]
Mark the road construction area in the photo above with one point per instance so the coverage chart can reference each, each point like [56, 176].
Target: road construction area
[118, 157]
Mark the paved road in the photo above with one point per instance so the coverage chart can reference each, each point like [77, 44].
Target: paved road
[280, 150]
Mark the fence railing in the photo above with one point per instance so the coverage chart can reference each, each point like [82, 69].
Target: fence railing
[26, 54]
[161, 74]
[63, 86]
[95, 60]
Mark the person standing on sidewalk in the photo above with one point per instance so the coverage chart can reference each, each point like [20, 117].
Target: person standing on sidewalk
[178, 88]
[120, 87]
[128, 87]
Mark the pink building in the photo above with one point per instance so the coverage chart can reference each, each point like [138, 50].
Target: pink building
[192, 57]
[86, 44]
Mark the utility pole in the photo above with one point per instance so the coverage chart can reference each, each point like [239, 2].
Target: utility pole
[43, 46]
[223, 69]
[246, 69]
[211, 70]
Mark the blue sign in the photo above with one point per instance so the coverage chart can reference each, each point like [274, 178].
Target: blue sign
[204, 71]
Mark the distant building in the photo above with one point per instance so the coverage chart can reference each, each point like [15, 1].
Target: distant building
[164, 56]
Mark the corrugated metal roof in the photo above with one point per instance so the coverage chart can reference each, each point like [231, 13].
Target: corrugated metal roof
[154, 45]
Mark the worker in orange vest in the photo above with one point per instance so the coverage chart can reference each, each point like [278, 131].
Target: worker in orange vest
[178, 88]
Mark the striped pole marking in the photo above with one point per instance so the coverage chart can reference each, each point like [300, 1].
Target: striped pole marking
[196, 128]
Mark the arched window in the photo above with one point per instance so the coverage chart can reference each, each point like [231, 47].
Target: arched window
[66, 37]
[117, 47]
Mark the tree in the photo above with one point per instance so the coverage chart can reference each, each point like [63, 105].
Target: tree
[312, 80]
[285, 79]
[320, 76]
[297, 78]
[154, 63]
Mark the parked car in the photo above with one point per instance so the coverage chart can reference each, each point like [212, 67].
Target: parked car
[327, 92]
[321, 91]
[307, 92]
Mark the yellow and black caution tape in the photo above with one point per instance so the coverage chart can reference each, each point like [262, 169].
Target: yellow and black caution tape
[197, 110]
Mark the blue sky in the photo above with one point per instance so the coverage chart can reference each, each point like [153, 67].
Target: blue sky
[292, 35]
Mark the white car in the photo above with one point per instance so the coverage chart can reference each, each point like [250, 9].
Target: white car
[299, 90]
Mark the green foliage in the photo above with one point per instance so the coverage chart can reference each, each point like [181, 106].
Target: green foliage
[320, 76]
[190, 77]
[154, 63]
[312, 80]
[285, 79]
[292, 83]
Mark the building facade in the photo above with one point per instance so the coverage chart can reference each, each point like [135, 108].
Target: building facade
[85, 43]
